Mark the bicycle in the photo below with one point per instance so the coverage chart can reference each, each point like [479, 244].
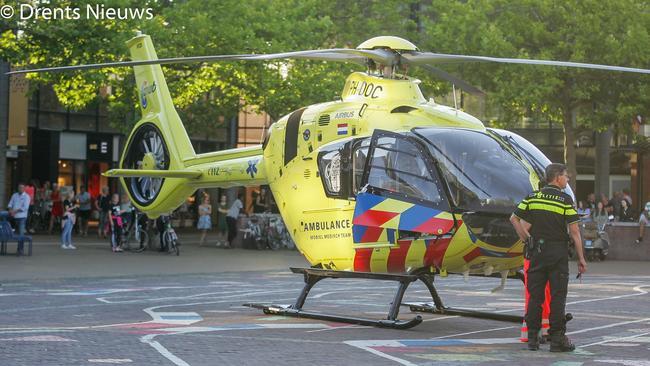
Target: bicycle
[135, 238]
[267, 230]
[170, 239]
[253, 233]
[277, 233]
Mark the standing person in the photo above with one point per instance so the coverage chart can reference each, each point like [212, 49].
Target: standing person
[222, 226]
[46, 212]
[126, 210]
[261, 204]
[231, 220]
[115, 220]
[161, 225]
[68, 219]
[205, 221]
[84, 210]
[57, 206]
[644, 219]
[30, 189]
[550, 212]
[103, 205]
[39, 196]
[19, 208]
[546, 307]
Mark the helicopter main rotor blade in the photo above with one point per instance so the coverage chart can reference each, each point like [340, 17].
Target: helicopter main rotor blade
[334, 54]
[340, 55]
[162, 61]
[420, 58]
[453, 79]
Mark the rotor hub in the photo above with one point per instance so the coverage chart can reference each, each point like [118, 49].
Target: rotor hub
[149, 161]
[388, 42]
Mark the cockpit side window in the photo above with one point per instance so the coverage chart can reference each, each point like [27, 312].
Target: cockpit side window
[334, 169]
[397, 167]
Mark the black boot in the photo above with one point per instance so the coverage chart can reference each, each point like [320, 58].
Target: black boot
[533, 341]
[561, 343]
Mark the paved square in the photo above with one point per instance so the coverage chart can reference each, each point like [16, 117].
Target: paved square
[172, 316]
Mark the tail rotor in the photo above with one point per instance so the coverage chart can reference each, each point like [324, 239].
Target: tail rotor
[147, 150]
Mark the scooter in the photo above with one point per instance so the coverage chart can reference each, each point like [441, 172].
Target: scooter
[595, 241]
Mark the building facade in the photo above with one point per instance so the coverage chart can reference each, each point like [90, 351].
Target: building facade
[73, 148]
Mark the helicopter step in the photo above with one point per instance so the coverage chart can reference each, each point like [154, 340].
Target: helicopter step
[314, 275]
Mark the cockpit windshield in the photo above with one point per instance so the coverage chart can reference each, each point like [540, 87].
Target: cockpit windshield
[530, 152]
[482, 175]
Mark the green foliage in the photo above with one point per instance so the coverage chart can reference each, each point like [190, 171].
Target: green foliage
[582, 31]
[591, 31]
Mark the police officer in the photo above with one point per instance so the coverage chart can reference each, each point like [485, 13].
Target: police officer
[552, 219]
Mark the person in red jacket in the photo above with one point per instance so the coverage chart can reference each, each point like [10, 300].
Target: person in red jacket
[546, 309]
[546, 306]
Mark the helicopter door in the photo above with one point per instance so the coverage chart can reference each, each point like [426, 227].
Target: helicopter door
[402, 194]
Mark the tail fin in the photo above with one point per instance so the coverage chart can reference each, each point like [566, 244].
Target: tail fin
[155, 100]
[158, 141]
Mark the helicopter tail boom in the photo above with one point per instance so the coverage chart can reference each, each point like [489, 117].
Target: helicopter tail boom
[159, 168]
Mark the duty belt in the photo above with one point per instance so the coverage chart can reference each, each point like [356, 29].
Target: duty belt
[533, 246]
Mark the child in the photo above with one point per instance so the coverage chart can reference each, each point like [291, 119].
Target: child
[68, 220]
[205, 222]
[115, 220]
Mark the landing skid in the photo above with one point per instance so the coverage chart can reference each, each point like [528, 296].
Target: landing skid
[437, 307]
[431, 308]
[313, 275]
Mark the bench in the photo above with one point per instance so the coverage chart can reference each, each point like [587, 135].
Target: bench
[7, 235]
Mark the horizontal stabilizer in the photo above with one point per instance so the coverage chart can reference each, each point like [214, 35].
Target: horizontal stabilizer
[132, 173]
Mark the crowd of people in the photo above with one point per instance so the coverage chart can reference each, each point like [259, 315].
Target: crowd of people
[618, 208]
[47, 207]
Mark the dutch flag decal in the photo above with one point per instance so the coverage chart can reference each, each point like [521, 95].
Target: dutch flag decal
[342, 129]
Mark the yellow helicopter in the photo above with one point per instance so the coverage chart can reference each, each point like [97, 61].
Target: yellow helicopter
[381, 184]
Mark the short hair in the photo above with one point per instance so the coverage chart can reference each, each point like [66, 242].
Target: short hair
[553, 171]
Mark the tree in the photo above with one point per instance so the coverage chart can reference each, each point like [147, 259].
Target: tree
[582, 31]
[38, 42]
